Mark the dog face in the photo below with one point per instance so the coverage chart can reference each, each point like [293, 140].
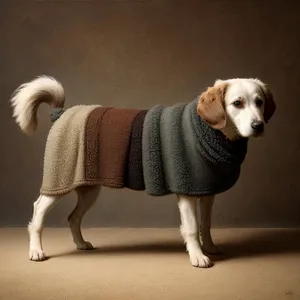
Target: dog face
[237, 107]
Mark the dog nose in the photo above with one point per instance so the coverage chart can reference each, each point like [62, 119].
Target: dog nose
[258, 126]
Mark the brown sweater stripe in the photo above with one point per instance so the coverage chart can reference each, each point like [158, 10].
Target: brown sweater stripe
[108, 133]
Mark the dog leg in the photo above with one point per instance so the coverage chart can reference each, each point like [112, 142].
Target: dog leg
[40, 208]
[87, 196]
[206, 204]
[190, 233]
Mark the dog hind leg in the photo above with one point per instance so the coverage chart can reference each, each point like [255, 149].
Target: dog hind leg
[86, 197]
[35, 227]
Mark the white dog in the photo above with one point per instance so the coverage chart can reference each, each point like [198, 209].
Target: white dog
[236, 107]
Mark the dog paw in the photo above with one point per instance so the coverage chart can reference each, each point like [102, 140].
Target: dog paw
[36, 255]
[85, 246]
[199, 260]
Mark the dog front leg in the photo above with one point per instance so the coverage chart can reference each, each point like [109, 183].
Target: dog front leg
[206, 204]
[189, 231]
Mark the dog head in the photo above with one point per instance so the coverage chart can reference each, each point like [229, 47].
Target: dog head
[237, 107]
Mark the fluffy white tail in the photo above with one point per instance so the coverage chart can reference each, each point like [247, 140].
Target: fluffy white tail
[27, 98]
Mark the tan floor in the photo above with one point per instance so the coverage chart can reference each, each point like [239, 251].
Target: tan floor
[151, 264]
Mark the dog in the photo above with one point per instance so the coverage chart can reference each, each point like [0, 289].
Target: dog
[237, 108]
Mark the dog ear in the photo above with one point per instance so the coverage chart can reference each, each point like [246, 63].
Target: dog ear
[270, 105]
[211, 106]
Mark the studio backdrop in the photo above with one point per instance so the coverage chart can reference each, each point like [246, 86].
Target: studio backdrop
[139, 53]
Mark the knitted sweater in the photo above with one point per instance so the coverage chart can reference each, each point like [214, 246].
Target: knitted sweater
[183, 154]
[164, 150]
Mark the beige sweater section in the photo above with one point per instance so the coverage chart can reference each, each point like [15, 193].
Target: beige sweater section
[64, 152]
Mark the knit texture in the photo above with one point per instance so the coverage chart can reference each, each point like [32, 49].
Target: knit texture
[182, 154]
[134, 171]
[64, 153]
[163, 150]
[56, 112]
[107, 139]
[91, 145]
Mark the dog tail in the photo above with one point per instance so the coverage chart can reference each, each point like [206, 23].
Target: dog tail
[27, 98]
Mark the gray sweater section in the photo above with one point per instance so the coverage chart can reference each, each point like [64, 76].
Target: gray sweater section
[183, 154]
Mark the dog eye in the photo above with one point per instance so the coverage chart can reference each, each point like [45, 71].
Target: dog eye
[238, 103]
[259, 102]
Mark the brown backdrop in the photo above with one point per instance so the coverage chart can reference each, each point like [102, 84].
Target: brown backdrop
[139, 53]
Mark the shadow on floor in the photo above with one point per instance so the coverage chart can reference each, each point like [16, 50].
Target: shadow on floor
[261, 243]
[255, 243]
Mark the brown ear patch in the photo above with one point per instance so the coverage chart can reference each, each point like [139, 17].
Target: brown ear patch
[211, 106]
[270, 105]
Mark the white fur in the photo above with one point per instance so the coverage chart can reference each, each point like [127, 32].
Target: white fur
[198, 240]
[30, 95]
[35, 228]
[190, 231]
